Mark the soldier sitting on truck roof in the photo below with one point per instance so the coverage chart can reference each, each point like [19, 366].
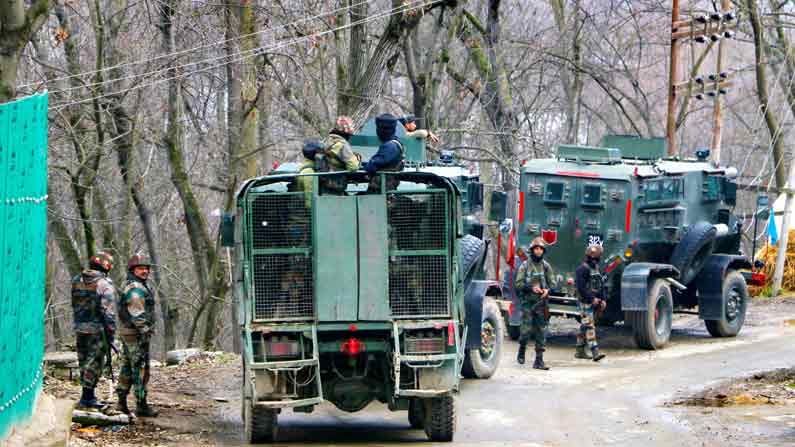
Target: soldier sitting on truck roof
[337, 155]
[304, 184]
[389, 156]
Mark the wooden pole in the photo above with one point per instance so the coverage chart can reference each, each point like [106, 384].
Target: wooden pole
[717, 126]
[673, 78]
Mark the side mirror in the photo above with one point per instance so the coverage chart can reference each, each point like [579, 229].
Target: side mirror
[499, 206]
[730, 192]
[228, 230]
[475, 197]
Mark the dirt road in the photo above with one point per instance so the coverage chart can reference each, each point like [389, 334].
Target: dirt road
[622, 400]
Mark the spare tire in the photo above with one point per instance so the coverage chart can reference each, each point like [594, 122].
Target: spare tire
[691, 253]
[472, 249]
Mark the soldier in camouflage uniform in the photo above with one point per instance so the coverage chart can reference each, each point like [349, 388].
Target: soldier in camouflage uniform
[94, 309]
[533, 281]
[588, 281]
[337, 155]
[136, 325]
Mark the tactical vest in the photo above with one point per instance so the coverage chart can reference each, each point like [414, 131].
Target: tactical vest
[85, 306]
[594, 283]
[537, 276]
[128, 327]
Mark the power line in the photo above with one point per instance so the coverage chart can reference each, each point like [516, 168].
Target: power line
[255, 52]
[181, 52]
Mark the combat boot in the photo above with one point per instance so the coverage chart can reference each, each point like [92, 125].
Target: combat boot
[142, 409]
[520, 355]
[582, 353]
[539, 362]
[121, 404]
[89, 400]
[596, 354]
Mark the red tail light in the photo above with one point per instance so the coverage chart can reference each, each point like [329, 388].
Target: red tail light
[281, 347]
[450, 334]
[511, 308]
[352, 347]
[758, 279]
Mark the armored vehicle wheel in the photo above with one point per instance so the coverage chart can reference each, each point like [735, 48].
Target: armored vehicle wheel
[652, 327]
[513, 332]
[691, 253]
[440, 418]
[482, 362]
[261, 423]
[735, 301]
[417, 414]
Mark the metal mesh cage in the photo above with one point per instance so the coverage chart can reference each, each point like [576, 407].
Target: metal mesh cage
[418, 286]
[280, 221]
[283, 287]
[417, 221]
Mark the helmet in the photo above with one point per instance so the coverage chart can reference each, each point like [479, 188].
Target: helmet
[138, 260]
[538, 242]
[594, 251]
[101, 260]
[344, 124]
[311, 147]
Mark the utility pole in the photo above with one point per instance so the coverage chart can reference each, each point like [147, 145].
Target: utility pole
[717, 123]
[673, 78]
[783, 240]
[703, 29]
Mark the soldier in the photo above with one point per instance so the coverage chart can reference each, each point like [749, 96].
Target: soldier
[94, 309]
[137, 320]
[410, 123]
[588, 281]
[304, 184]
[389, 156]
[338, 152]
[533, 282]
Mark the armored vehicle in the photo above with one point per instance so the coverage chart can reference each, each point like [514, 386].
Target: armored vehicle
[666, 225]
[371, 292]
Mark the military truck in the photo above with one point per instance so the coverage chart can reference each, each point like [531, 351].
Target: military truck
[376, 292]
[671, 241]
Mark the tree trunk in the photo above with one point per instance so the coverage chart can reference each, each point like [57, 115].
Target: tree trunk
[17, 27]
[773, 127]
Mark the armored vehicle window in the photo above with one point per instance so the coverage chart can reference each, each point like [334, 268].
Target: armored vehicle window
[711, 190]
[553, 192]
[665, 189]
[592, 194]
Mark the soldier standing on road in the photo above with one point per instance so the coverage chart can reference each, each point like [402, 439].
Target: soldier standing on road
[137, 320]
[588, 281]
[94, 309]
[533, 282]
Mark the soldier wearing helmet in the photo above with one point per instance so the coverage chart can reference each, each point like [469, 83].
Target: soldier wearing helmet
[136, 321]
[336, 155]
[588, 282]
[534, 279]
[94, 311]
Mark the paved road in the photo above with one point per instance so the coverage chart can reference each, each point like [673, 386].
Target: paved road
[618, 401]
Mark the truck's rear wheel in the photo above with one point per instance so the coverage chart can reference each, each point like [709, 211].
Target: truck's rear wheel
[482, 362]
[735, 301]
[261, 423]
[652, 327]
[416, 414]
[440, 418]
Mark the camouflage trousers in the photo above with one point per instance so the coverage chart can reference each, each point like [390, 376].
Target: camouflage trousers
[92, 351]
[534, 325]
[134, 371]
[587, 333]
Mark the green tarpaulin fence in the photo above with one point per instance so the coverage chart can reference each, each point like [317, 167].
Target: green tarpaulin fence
[23, 231]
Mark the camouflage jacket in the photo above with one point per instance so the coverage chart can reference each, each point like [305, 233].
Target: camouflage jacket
[93, 303]
[339, 154]
[531, 274]
[136, 307]
[304, 184]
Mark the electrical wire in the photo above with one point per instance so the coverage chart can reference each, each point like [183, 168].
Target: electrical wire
[190, 50]
[256, 51]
